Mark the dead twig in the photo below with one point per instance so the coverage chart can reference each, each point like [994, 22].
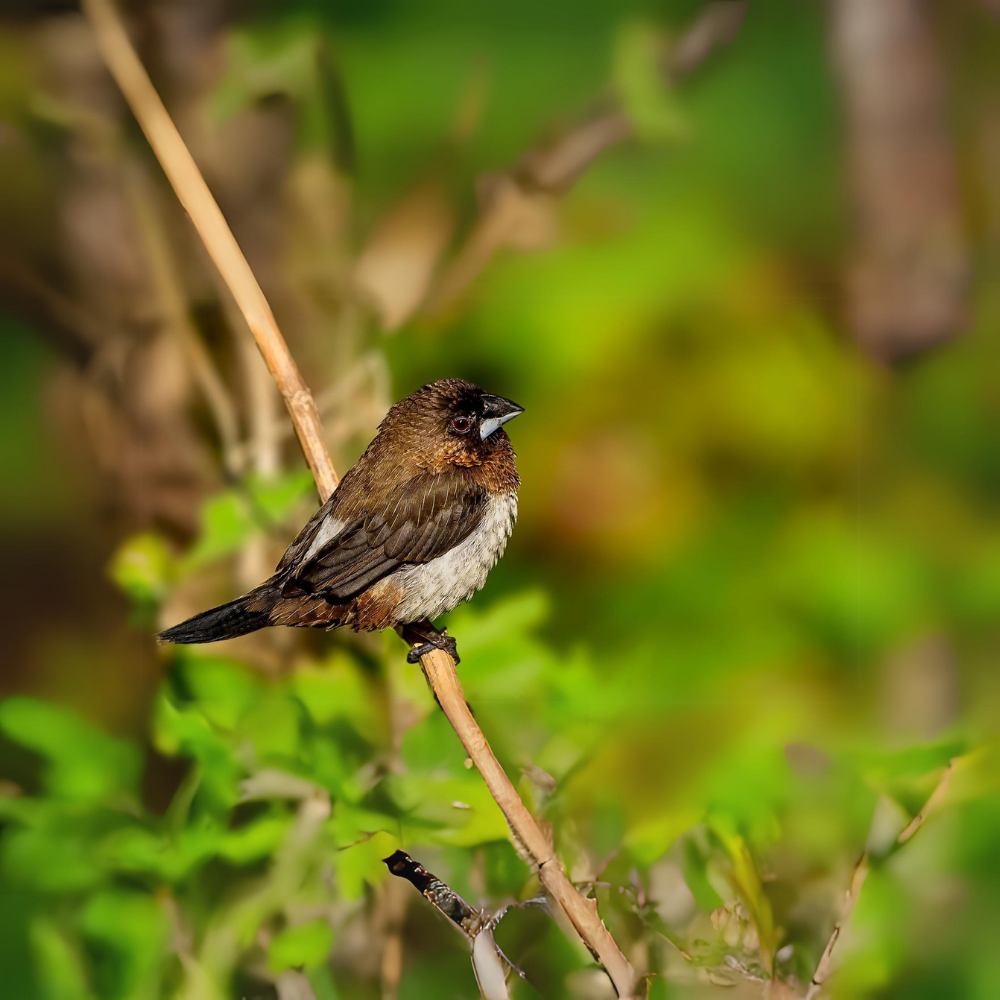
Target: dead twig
[860, 873]
[190, 187]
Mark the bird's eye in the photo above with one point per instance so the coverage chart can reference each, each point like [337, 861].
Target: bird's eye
[461, 424]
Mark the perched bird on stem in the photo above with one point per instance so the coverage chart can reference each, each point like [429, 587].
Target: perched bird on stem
[412, 530]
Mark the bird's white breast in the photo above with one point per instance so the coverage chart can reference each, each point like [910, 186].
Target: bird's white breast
[433, 588]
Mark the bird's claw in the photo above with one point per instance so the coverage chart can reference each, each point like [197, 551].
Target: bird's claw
[413, 656]
[444, 642]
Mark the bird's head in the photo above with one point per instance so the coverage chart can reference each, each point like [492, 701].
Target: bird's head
[452, 422]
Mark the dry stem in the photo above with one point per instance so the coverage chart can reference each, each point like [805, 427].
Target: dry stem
[191, 189]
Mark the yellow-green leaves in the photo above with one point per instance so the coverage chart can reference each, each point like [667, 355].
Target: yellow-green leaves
[143, 567]
[135, 928]
[82, 763]
[745, 880]
[642, 79]
[231, 518]
[304, 945]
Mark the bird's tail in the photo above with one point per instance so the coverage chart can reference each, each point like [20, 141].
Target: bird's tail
[227, 621]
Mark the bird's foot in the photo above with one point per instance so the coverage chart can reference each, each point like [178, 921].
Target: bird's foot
[431, 640]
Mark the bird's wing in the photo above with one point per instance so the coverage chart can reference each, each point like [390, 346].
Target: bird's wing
[320, 529]
[420, 520]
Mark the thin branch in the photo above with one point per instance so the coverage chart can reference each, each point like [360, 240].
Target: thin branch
[860, 873]
[581, 912]
[933, 802]
[176, 314]
[330, 403]
[858, 877]
[64, 321]
[557, 165]
[439, 668]
[192, 191]
[518, 199]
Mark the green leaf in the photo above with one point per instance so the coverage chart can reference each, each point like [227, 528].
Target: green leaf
[338, 690]
[273, 725]
[84, 764]
[642, 86]
[977, 775]
[459, 810]
[909, 762]
[742, 875]
[143, 567]
[231, 518]
[257, 839]
[135, 928]
[322, 982]
[224, 689]
[694, 865]
[277, 498]
[361, 864]
[289, 57]
[659, 989]
[137, 850]
[226, 525]
[181, 730]
[649, 839]
[58, 962]
[505, 620]
[351, 824]
[305, 945]
[51, 860]
[907, 776]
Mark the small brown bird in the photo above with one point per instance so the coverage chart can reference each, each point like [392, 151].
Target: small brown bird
[412, 530]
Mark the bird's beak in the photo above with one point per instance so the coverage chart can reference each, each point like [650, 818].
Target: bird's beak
[496, 412]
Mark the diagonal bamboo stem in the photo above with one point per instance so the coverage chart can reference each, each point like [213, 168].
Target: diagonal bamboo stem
[193, 193]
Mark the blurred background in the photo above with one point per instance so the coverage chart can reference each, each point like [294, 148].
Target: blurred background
[739, 266]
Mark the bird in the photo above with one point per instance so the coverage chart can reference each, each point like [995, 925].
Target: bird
[411, 531]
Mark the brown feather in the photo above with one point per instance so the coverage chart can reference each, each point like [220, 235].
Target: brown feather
[420, 491]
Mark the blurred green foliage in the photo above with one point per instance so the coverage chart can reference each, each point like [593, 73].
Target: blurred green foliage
[702, 658]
